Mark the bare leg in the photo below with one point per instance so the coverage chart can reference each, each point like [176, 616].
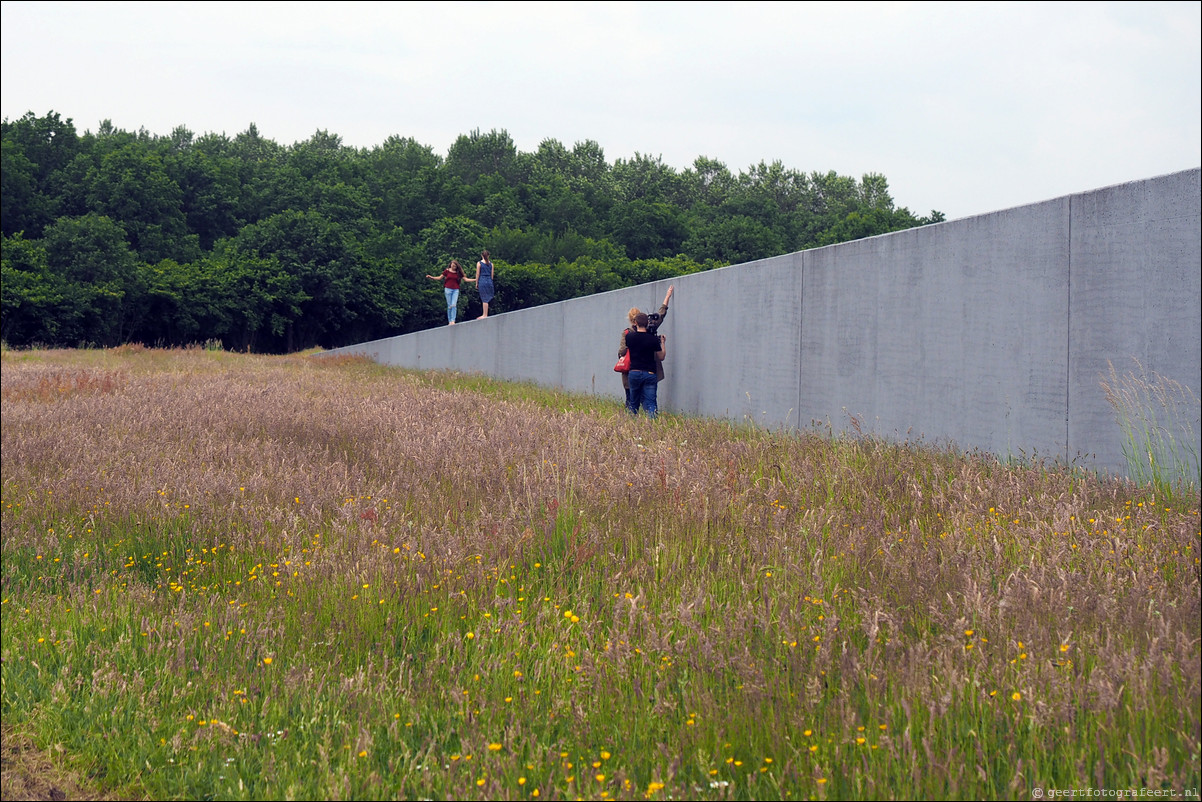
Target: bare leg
[485, 305]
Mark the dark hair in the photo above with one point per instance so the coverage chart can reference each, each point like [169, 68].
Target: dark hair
[640, 321]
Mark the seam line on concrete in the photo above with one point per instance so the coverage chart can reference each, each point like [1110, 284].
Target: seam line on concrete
[801, 326]
[1068, 330]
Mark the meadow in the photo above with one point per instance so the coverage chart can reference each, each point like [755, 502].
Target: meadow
[241, 577]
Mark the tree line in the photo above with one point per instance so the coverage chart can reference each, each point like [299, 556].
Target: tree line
[116, 236]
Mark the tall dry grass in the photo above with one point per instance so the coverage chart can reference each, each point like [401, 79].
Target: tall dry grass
[250, 577]
[1158, 418]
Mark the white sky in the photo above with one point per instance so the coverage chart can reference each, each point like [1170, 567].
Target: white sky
[966, 108]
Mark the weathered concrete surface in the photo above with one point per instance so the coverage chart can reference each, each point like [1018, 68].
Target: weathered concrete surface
[1133, 296]
[990, 333]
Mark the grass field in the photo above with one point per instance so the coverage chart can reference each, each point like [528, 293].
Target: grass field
[229, 576]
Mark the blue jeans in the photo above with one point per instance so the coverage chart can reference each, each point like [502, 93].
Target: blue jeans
[642, 392]
[452, 303]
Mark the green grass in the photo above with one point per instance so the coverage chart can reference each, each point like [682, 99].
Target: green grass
[229, 576]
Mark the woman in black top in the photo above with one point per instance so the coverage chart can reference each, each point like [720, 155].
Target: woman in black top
[630, 316]
[645, 350]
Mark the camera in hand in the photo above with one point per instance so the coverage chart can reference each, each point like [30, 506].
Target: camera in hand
[653, 321]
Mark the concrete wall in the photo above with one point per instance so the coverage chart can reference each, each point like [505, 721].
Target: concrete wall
[990, 333]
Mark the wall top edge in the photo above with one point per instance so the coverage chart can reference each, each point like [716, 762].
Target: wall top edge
[663, 283]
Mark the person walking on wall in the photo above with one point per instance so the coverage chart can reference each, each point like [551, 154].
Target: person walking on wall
[646, 349]
[484, 276]
[450, 279]
[630, 316]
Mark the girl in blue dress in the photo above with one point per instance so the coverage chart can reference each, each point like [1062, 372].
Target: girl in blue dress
[484, 276]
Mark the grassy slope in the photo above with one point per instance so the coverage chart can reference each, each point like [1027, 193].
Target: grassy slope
[234, 576]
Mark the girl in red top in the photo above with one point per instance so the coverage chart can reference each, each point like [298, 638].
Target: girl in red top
[450, 279]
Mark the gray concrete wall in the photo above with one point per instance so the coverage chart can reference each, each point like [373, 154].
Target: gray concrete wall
[989, 333]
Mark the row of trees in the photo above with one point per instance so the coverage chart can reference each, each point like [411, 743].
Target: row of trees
[113, 236]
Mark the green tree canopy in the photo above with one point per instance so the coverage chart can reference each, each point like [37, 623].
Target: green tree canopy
[118, 235]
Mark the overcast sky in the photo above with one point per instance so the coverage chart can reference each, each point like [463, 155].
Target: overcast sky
[966, 108]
